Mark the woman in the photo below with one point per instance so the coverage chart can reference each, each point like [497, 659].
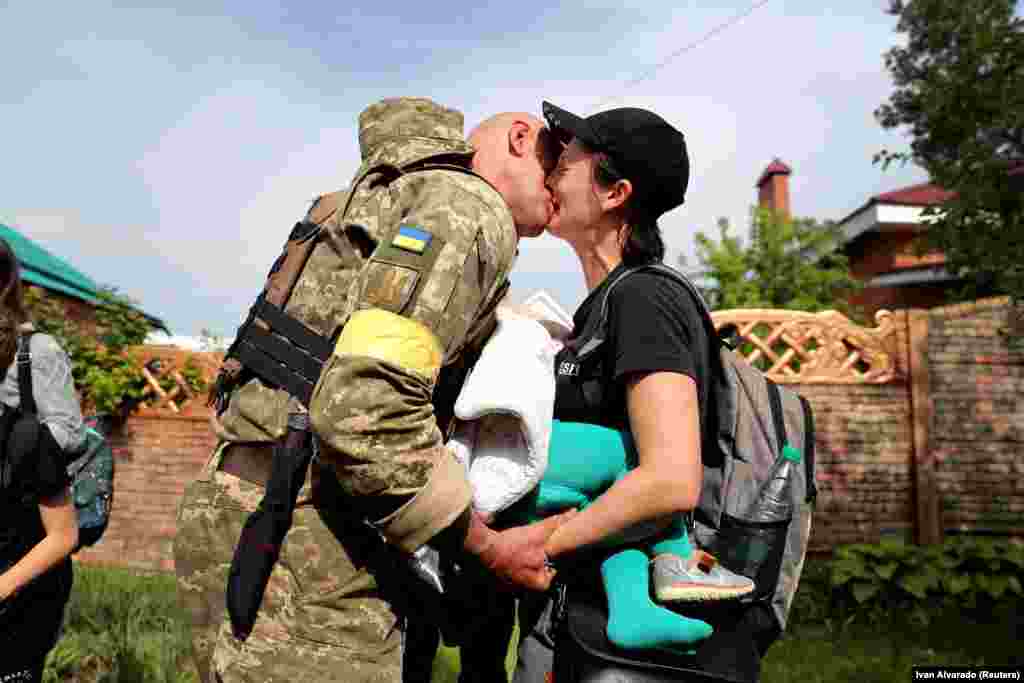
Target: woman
[620, 170]
[38, 525]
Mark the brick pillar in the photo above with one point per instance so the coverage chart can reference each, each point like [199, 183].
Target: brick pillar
[928, 520]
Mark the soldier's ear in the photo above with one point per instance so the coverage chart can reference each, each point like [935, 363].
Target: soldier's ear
[519, 139]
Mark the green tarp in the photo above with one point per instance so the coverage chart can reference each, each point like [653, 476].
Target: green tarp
[42, 268]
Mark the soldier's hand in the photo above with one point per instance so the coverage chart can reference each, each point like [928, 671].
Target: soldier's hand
[517, 556]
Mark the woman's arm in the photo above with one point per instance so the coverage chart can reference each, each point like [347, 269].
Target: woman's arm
[53, 388]
[665, 423]
[61, 525]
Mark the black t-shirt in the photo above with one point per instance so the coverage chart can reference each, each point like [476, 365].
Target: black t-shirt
[30, 620]
[654, 325]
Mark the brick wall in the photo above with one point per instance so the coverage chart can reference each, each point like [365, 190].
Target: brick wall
[977, 430]
[157, 452]
[155, 456]
[863, 448]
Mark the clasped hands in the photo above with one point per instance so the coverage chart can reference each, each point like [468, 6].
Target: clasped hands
[516, 555]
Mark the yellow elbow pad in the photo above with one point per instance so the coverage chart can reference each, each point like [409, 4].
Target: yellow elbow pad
[393, 339]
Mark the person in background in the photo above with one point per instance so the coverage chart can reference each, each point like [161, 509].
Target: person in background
[38, 525]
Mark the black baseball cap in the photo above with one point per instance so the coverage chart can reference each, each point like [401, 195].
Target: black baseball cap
[644, 147]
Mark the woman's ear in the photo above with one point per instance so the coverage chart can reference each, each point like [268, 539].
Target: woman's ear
[617, 196]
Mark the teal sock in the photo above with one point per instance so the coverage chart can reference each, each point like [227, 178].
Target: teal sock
[634, 621]
[675, 540]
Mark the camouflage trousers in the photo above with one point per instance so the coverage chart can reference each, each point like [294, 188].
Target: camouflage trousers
[324, 616]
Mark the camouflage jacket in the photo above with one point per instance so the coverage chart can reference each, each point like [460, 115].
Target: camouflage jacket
[406, 275]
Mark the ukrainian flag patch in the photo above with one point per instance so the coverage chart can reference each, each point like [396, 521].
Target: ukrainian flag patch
[412, 238]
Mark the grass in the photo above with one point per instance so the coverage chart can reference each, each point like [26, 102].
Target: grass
[861, 654]
[882, 655]
[126, 627]
[122, 627]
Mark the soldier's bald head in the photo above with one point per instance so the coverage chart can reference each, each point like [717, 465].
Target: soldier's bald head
[515, 151]
[498, 126]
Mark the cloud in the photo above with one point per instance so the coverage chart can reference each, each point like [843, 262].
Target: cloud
[171, 151]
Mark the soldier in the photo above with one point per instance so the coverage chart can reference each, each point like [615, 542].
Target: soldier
[403, 277]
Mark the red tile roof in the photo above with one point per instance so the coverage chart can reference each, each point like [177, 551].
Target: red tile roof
[924, 194]
[774, 168]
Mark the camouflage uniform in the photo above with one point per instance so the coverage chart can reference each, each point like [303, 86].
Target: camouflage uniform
[406, 280]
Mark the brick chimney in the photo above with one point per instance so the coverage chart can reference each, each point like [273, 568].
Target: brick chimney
[773, 187]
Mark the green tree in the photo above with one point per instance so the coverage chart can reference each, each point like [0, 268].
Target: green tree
[959, 93]
[787, 263]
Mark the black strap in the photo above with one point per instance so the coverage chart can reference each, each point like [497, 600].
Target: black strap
[812, 487]
[303, 231]
[778, 417]
[297, 333]
[24, 360]
[273, 371]
[295, 358]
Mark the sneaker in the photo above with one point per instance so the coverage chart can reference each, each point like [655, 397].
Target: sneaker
[698, 577]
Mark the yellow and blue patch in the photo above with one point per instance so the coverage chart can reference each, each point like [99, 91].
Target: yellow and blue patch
[412, 238]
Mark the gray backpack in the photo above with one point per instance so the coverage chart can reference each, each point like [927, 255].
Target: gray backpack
[755, 508]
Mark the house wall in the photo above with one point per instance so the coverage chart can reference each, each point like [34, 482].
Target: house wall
[870, 300]
[74, 309]
[886, 252]
[885, 451]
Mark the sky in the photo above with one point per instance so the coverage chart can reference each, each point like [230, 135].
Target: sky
[168, 152]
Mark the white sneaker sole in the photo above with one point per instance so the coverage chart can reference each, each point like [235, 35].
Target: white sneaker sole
[700, 592]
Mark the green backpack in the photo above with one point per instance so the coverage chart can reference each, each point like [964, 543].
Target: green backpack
[91, 473]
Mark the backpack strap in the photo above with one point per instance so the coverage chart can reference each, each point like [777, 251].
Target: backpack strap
[778, 417]
[812, 488]
[24, 361]
[595, 329]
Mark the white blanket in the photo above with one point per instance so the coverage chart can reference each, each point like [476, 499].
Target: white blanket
[505, 410]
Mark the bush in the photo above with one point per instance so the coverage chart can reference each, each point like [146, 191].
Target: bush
[909, 585]
[974, 577]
